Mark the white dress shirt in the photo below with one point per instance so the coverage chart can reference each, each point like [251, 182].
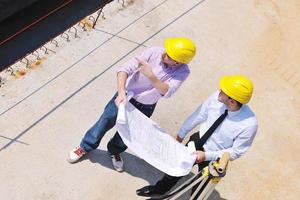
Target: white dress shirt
[234, 135]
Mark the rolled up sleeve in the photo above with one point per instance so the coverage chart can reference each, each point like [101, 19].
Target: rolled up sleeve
[131, 66]
[175, 82]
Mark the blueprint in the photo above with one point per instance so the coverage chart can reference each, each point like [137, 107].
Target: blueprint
[150, 142]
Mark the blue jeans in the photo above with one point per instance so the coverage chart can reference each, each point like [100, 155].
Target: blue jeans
[93, 136]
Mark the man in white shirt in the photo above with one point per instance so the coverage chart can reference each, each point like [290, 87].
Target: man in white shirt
[234, 133]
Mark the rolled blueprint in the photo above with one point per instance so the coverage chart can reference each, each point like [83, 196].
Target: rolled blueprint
[121, 118]
[151, 143]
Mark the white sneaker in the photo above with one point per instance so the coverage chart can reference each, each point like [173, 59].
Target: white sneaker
[117, 162]
[76, 154]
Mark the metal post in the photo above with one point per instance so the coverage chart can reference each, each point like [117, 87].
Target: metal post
[75, 32]
[99, 13]
[27, 62]
[67, 36]
[56, 43]
[210, 190]
[203, 179]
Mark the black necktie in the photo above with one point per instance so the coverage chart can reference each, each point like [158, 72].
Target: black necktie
[210, 131]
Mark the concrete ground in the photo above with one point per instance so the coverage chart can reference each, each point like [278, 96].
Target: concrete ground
[46, 108]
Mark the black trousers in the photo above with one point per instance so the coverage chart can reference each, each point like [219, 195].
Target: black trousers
[167, 182]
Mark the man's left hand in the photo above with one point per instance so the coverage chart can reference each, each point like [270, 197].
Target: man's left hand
[200, 156]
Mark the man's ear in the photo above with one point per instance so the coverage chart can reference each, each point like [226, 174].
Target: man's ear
[232, 101]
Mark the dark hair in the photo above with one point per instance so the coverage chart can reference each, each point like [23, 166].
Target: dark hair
[238, 103]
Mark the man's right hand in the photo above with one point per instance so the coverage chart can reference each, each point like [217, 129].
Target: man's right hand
[120, 98]
[200, 156]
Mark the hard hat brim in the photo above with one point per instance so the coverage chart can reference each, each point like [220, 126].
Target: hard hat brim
[223, 85]
[168, 48]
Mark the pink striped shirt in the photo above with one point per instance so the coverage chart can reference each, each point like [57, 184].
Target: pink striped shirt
[140, 85]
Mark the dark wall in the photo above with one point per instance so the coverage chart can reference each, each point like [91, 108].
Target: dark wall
[30, 28]
[10, 7]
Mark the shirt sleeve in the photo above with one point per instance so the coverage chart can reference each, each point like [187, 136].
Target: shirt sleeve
[197, 117]
[131, 66]
[174, 83]
[240, 145]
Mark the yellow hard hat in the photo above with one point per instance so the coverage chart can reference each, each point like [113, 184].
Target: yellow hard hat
[181, 50]
[237, 87]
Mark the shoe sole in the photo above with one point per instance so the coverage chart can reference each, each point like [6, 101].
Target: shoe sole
[119, 170]
[74, 161]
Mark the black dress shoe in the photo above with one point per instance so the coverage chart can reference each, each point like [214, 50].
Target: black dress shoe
[149, 191]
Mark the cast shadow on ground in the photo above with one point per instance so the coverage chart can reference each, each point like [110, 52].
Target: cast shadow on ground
[137, 167]
[215, 195]
[132, 165]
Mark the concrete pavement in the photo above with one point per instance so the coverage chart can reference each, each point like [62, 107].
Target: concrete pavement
[45, 112]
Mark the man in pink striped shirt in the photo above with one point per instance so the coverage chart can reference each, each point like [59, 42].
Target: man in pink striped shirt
[155, 73]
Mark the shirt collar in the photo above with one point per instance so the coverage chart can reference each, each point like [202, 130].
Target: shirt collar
[235, 113]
